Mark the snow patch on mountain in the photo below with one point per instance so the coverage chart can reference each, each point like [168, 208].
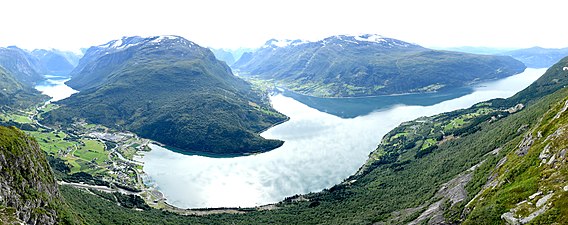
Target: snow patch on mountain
[370, 38]
[163, 37]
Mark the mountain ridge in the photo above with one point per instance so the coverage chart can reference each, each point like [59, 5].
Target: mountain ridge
[167, 88]
[368, 65]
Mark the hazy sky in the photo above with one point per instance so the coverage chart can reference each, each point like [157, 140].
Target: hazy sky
[72, 24]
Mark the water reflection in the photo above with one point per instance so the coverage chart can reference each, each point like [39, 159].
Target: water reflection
[54, 87]
[320, 150]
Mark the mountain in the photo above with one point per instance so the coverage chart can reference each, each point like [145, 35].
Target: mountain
[55, 62]
[25, 67]
[230, 56]
[28, 191]
[71, 57]
[478, 50]
[499, 162]
[15, 94]
[366, 65]
[537, 57]
[170, 90]
[224, 55]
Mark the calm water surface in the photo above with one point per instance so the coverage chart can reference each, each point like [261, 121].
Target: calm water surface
[320, 149]
[54, 87]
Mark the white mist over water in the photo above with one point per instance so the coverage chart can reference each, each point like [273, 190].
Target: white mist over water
[55, 88]
[320, 150]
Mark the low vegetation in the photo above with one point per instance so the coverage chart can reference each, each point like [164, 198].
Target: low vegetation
[402, 178]
[192, 103]
[343, 66]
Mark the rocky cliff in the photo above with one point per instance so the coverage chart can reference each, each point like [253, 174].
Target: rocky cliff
[28, 190]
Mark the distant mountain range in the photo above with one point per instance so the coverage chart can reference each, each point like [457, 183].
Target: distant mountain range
[30, 67]
[230, 56]
[537, 57]
[15, 94]
[367, 65]
[25, 67]
[19, 72]
[56, 62]
[502, 161]
[171, 90]
[478, 50]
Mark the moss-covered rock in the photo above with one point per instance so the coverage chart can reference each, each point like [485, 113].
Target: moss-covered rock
[28, 189]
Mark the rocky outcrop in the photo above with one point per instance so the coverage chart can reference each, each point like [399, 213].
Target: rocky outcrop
[525, 145]
[27, 184]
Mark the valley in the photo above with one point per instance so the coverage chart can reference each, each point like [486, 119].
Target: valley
[326, 128]
[368, 65]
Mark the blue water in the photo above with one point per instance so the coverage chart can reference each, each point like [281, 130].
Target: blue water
[353, 107]
[320, 150]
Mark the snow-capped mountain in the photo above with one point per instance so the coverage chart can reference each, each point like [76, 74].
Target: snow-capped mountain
[369, 64]
[113, 54]
[167, 88]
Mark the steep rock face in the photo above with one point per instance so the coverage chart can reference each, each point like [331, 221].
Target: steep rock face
[25, 67]
[171, 90]
[224, 55]
[365, 65]
[54, 62]
[27, 183]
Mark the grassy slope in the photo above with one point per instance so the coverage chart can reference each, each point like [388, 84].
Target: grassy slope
[22, 65]
[340, 68]
[15, 94]
[398, 177]
[182, 97]
[27, 180]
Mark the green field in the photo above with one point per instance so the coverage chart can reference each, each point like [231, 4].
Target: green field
[52, 142]
[82, 155]
[92, 151]
[18, 118]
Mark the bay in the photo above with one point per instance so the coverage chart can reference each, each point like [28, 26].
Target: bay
[320, 149]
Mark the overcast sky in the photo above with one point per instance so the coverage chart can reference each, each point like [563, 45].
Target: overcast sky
[72, 24]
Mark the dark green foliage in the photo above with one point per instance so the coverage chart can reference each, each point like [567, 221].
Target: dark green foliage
[394, 180]
[58, 165]
[27, 182]
[343, 66]
[82, 177]
[175, 92]
[22, 65]
[426, 151]
[97, 210]
[127, 201]
[555, 79]
[15, 94]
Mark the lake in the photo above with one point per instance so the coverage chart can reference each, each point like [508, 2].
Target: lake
[54, 87]
[320, 150]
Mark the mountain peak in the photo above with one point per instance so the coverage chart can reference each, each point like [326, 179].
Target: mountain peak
[369, 39]
[127, 42]
[281, 43]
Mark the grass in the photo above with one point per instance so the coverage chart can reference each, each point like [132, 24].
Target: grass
[18, 118]
[427, 143]
[83, 155]
[49, 107]
[92, 151]
[52, 142]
